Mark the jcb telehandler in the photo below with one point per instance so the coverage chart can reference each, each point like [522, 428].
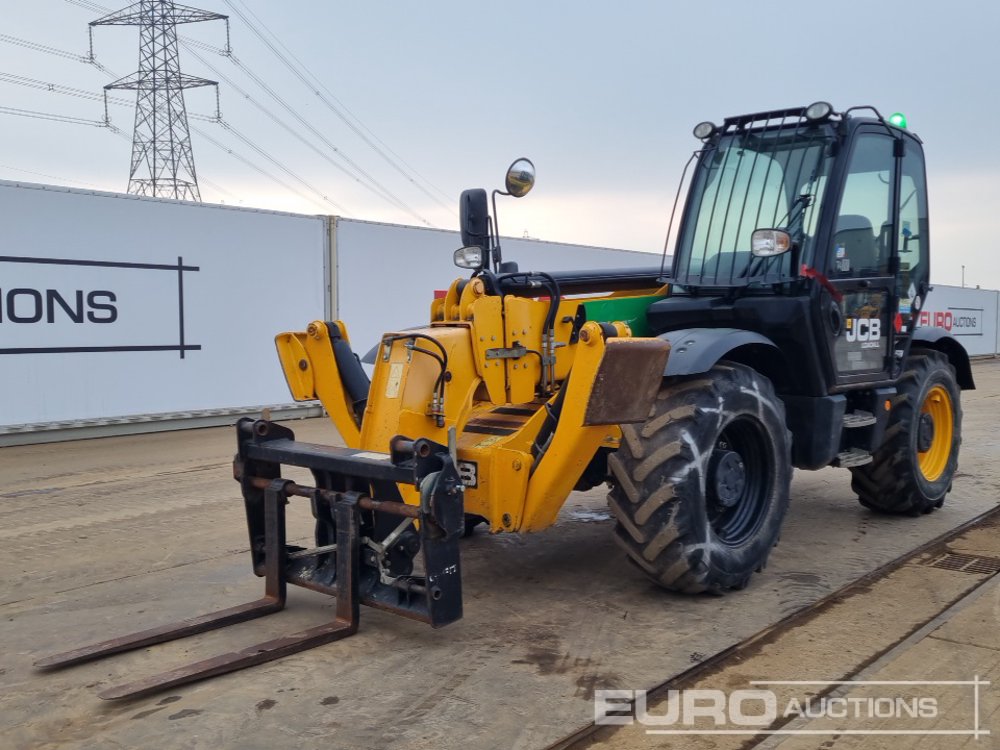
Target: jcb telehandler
[783, 334]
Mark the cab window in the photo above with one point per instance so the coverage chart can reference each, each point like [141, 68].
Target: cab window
[913, 239]
[862, 236]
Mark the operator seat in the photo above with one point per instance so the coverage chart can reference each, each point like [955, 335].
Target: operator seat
[855, 234]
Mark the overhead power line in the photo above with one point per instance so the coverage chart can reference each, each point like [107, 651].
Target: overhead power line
[42, 48]
[380, 188]
[117, 132]
[366, 178]
[380, 191]
[353, 170]
[264, 154]
[124, 136]
[47, 86]
[56, 88]
[267, 112]
[236, 155]
[87, 5]
[375, 187]
[26, 44]
[300, 71]
[260, 170]
[48, 176]
[50, 116]
[322, 201]
[67, 90]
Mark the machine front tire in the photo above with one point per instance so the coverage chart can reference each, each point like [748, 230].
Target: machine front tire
[700, 489]
[911, 472]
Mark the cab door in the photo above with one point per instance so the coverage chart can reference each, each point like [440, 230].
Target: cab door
[912, 246]
[859, 263]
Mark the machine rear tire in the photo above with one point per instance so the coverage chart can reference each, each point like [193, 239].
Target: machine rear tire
[701, 488]
[902, 479]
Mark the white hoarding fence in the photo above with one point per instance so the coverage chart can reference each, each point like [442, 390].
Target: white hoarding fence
[970, 315]
[137, 311]
[114, 308]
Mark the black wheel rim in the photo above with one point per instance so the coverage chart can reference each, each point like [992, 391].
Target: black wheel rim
[737, 505]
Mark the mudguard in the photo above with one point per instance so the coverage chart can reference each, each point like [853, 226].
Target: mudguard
[932, 337]
[694, 350]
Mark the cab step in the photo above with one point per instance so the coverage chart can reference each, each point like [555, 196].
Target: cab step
[858, 419]
[853, 457]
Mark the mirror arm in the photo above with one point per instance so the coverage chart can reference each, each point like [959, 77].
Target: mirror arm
[476, 220]
[495, 250]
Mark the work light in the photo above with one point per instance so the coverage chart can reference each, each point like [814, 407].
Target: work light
[818, 111]
[469, 257]
[765, 243]
[704, 130]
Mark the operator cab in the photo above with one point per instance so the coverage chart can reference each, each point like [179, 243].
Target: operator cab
[825, 214]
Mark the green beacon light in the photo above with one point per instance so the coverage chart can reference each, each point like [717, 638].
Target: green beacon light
[898, 119]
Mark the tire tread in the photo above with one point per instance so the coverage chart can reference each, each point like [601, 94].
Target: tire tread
[656, 524]
[889, 484]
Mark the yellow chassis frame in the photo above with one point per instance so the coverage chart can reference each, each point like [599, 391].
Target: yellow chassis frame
[494, 401]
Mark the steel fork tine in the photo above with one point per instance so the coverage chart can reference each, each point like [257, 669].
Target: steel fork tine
[345, 624]
[273, 601]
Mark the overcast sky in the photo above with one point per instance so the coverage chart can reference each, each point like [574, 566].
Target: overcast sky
[602, 96]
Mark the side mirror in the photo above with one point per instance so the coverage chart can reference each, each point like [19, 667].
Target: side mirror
[474, 218]
[520, 178]
[766, 243]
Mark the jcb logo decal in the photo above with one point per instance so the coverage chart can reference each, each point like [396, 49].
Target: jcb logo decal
[863, 329]
[468, 471]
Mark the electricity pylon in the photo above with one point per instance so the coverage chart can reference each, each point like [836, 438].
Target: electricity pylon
[162, 158]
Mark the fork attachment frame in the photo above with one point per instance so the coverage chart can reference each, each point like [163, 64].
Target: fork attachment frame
[366, 543]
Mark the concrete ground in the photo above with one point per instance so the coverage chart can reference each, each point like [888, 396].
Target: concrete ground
[933, 620]
[963, 647]
[107, 536]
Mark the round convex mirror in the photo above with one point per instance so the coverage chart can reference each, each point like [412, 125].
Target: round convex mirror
[520, 177]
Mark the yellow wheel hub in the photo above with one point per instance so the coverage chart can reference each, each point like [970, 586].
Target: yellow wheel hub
[938, 406]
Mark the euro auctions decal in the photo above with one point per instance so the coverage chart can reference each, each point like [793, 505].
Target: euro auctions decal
[805, 707]
[958, 321]
[92, 305]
